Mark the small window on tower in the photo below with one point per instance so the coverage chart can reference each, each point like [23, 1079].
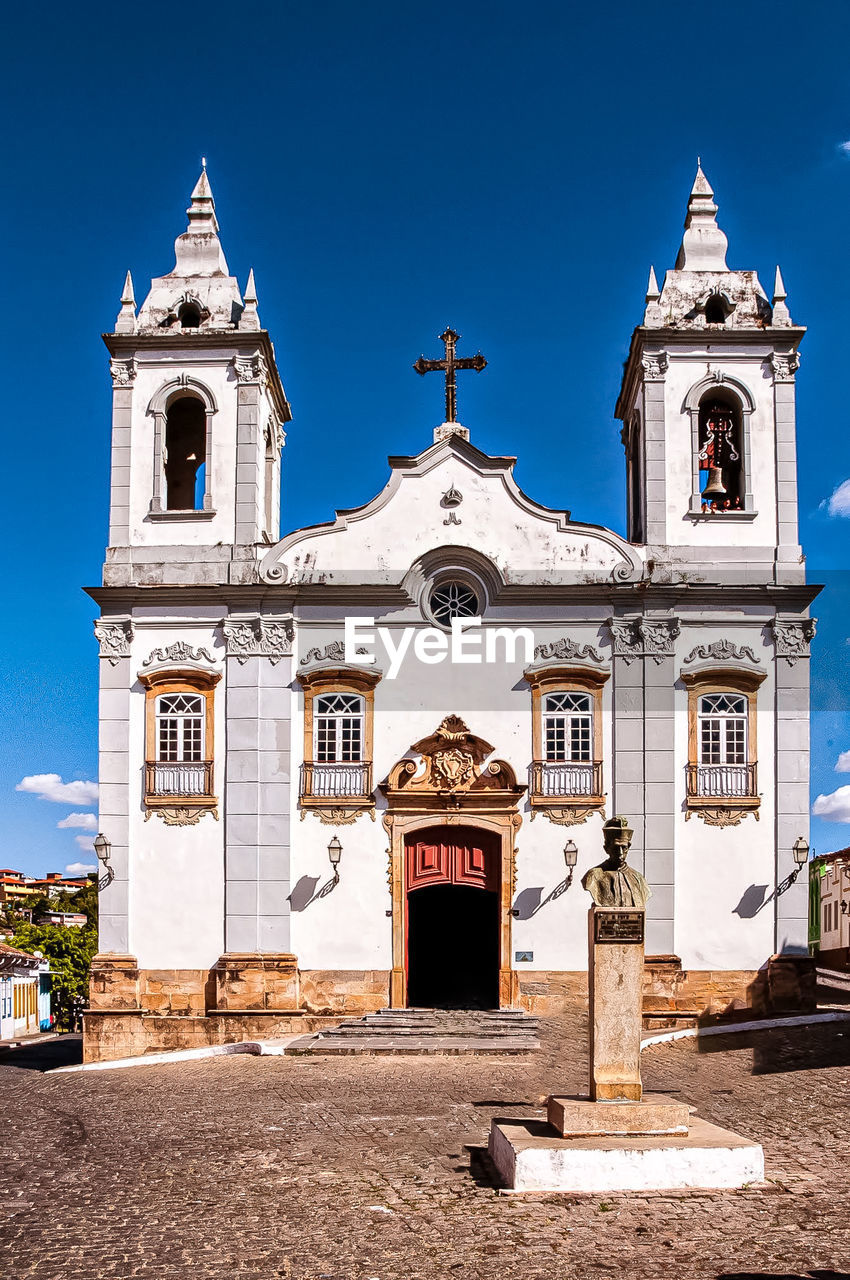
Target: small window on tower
[720, 456]
[185, 454]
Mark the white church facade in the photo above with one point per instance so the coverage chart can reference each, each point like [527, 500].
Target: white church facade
[366, 764]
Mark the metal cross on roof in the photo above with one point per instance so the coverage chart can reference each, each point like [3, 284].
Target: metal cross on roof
[449, 364]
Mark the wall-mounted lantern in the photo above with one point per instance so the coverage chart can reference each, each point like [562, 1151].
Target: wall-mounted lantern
[335, 853]
[570, 858]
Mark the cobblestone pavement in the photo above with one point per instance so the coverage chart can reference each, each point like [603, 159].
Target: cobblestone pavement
[351, 1168]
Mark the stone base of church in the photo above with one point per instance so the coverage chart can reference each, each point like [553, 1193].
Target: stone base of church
[250, 995]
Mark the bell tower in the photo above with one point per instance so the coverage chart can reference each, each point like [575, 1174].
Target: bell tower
[197, 424]
[708, 411]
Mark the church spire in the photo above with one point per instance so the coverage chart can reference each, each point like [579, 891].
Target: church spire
[126, 322]
[198, 250]
[703, 244]
[202, 209]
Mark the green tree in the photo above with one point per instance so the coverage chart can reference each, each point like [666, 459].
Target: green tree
[70, 954]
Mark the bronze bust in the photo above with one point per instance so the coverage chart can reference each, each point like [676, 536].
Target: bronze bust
[612, 883]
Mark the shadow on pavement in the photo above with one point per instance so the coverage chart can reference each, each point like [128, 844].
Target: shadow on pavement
[66, 1051]
[783, 1275]
[778, 1049]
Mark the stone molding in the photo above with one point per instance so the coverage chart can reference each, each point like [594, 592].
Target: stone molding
[123, 372]
[114, 639]
[784, 365]
[259, 638]
[340, 816]
[644, 638]
[655, 366]
[793, 637]
[567, 650]
[182, 815]
[333, 652]
[722, 650]
[721, 816]
[569, 815]
[180, 651]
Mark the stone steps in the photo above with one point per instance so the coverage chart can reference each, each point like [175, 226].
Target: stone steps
[418, 1031]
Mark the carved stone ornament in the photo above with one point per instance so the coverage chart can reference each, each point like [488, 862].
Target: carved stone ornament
[453, 769]
[644, 638]
[569, 816]
[180, 651]
[123, 372]
[720, 816]
[333, 652]
[114, 638]
[724, 650]
[250, 368]
[784, 365]
[259, 638]
[568, 650]
[340, 816]
[655, 366]
[182, 816]
[793, 638]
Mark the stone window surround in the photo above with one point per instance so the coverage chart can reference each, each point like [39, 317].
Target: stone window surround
[179, 680]
[338, 679]
[721, 680]
[565, 678]
[182, 386]
[743, 397]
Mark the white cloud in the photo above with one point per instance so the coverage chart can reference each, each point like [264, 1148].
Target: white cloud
[88, 821]
[79, 869]
[845, 147]
[86, 843]
[836, 805]
[49, 786]
[842, 764]
[839, 503]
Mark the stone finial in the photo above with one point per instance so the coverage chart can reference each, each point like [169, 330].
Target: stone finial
[703, 244]
[250, 318]
[781, 314]
[198, 250]
[653, 315]
[202, 209]
[126, 321]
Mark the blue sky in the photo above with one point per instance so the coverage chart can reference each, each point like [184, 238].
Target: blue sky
[387, 169]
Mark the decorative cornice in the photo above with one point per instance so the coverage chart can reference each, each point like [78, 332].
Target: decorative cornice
[180, 651]
[719, 816]
[339, 816]
[655, 366]
[114, 638]
[643, 638]
[568, 650]
[259, 638]
[784, 365]
[792, 638]
[568, 815]
[180, 815]
[724, 650]
[123, 372]
[333, 652]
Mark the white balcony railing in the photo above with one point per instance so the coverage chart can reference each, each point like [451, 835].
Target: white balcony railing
[336, 780]
[721, 780]
[179, 778]
[566, 778]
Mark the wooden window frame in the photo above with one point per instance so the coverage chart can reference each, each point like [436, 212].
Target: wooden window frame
[329, 680]
[565, 679]
[202, 684]
[722, 680]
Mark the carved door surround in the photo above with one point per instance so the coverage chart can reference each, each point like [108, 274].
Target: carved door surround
[451, 786]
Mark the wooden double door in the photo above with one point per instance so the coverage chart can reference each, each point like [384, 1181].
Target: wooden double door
[452, 918]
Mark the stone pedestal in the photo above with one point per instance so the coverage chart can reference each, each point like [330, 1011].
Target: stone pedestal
[615, 946]
[113, 983]
[254, 981]
[578, 1118]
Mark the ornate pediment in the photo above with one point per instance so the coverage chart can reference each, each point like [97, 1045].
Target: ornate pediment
[452, 768]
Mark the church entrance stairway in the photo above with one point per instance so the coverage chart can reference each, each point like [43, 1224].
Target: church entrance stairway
[428, 1031]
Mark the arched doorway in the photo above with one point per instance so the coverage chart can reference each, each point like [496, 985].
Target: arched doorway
[452, 878]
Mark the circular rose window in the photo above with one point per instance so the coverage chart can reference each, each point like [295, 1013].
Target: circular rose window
[453, 600]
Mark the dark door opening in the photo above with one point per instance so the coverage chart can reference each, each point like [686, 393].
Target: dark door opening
[453, 947]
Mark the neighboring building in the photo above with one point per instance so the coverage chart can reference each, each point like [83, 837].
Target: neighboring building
[67, 919]
[24, 993]
[54, 883]
[663, 675]
[17, 887]
[829, 909]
